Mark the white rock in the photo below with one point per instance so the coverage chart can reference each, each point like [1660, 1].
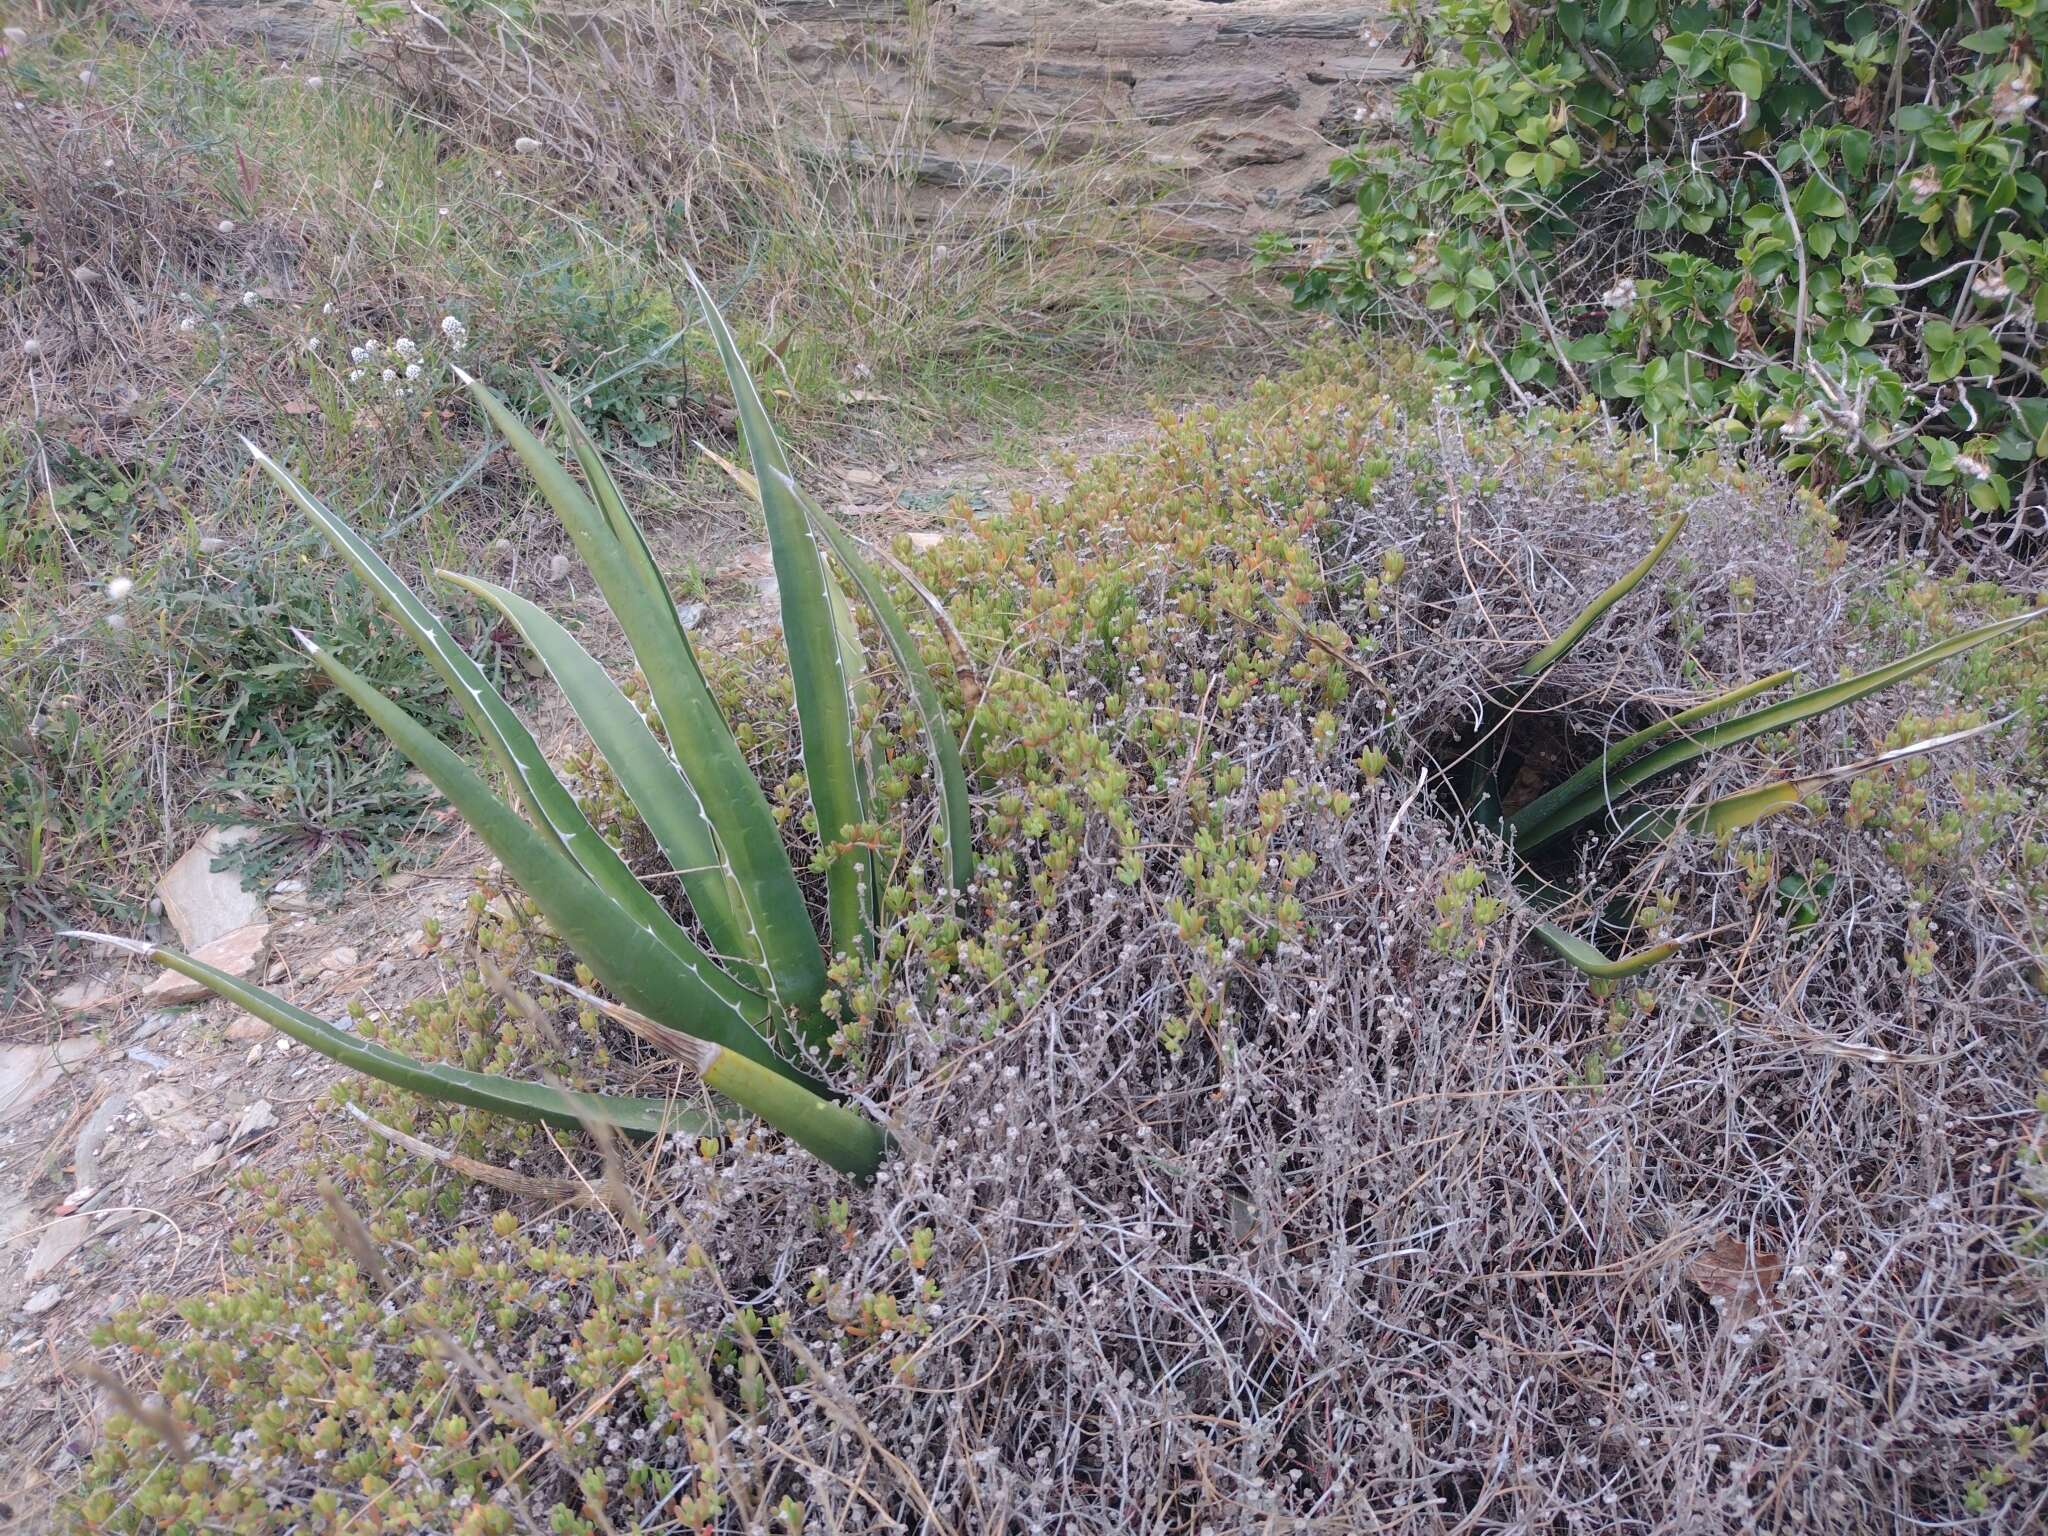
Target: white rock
[43, 1300]
[342, 957]
[86, 994]
[202, 904]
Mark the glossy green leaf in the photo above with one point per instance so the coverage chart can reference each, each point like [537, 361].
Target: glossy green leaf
[1585, 957]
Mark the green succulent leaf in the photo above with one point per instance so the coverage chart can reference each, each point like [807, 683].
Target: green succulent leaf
[1576, 631]
[771, 904]
[660, 791]
[562, 1108]
[955, 829]
[817, 671]
[1801, 707]
[664, 975]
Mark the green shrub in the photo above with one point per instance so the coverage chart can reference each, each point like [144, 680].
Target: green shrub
[1819, 227]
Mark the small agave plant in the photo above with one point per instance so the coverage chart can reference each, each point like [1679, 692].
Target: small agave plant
[1609, 791]
[745, 1006]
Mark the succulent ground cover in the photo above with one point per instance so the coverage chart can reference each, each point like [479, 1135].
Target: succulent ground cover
[1250, 1171]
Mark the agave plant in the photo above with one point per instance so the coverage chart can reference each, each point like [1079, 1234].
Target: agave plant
[743, 1005]
[1610, 790]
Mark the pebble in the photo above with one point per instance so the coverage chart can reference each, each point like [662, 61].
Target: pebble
[43, 1300]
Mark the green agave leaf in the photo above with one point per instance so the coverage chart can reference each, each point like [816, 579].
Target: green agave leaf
[1601, 768]
[824, 709]
[1774, 717]
[843, 1137]
[771, 906]
[554, 809]
[853, 665]
[1592, 962]
[955, 831]
[560, 1107]
[1575, 631]
[659, 790]
[1752, 804]
[669, 979]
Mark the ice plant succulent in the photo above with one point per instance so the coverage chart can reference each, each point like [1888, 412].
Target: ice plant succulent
[744, 1007]
[1608, 790]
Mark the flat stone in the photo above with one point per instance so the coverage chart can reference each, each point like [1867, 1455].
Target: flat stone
[1314, 24]
[238, 952]
[86, 994]
[1180, 98]
[342, 957]
[1363, 69]
[43, 1300]
[202, 903]
[247, 1027]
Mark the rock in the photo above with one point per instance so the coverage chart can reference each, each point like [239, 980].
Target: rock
[256, 1119]
[1315, 24]
[342, 957]
[291, 896]
[255, 1054]
[1212, 93]
[404, 880]
[238, 952]
[213, 1154]
[866, 479]
[202, 903]
[28, 1071]
[216, 1130]
[61, 1238]
[925, 540]
[1366, 69]
[247, 1027]
[43, 1300]
[1248, 146]
[86, 994]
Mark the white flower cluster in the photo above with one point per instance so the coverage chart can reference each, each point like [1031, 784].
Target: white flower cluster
[1974, 469]
[2014, 96]
[1991, 284]
[1621, 294]
[400, 366]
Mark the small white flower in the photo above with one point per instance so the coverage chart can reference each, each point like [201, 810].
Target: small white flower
[524, 145]
[1975, 468]
[249, 297]
[86, 77]
[405, 346]
[32, 347]
[359, 354]
[412, 370]
[390, 376]
[327, 308]
[117, 621]
[119, 588]
[443, 212]
[189, 323]
[226, 226]
[450, 326]
[312, 343]
[377, 185]
[355, 375]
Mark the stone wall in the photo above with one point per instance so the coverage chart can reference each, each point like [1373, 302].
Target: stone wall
[1245, 100]
[1239, 104]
